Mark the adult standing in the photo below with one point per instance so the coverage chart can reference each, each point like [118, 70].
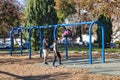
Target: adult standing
[56, 53]
[45, 49]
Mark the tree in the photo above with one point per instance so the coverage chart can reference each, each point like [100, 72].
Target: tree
[9, 13]
[22, 4]
[107, 30]
[41, 12]
[109, 8]
[64, 9]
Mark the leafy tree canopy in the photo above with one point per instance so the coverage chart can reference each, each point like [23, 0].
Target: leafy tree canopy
[64, 8]
[9, 12]
[40, 12]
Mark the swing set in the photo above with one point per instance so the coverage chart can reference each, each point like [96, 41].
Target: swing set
[91, 23]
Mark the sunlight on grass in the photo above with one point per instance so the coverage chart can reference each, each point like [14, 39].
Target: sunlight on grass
[86, 49]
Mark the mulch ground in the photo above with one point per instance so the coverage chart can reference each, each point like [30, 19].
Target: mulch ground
[18, 67]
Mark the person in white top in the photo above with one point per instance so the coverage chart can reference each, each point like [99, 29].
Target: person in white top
[56, 53]
[45, 49]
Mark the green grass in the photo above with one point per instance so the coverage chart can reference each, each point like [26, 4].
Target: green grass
[112, 50]
[86, 49]
[75, 48]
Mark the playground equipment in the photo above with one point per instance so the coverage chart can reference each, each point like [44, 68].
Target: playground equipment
[55, 36]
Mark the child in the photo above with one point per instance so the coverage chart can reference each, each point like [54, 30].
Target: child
[67, 33]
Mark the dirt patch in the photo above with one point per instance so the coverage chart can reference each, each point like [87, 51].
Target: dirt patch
[20, 67]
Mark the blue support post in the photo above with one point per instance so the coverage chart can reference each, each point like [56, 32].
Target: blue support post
[90, 43]
[103, 45]
[103, 48]
[40, 43]
[66, 48]
[11, 42]
[55, 31]
[29, 41]
[21, 41]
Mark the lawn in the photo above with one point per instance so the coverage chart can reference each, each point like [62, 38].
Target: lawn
[77, 48]
[71, 48]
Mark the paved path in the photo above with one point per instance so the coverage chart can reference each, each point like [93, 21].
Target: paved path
[110, 67]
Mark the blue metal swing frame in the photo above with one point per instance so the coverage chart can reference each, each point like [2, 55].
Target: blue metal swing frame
[91, 23]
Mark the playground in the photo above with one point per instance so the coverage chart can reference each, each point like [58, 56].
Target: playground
[56, 40]
[77, 67]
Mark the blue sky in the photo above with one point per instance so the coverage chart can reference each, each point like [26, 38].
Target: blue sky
[21, 1]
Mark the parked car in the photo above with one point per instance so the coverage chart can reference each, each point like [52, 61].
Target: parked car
[4, 45]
